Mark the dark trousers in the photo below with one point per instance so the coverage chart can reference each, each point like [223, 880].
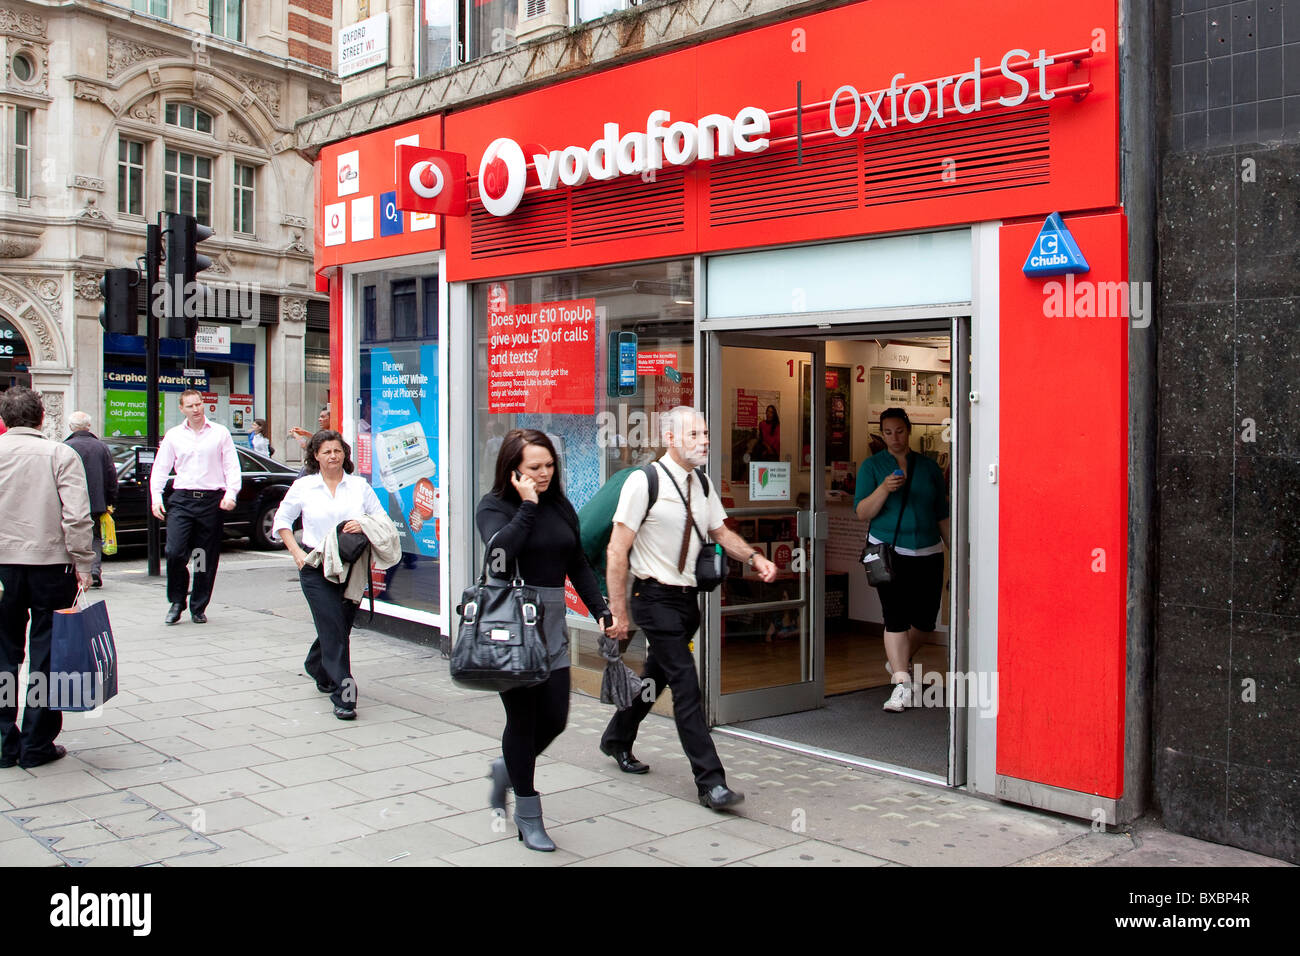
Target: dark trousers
[330, 659]
[193, 534]
[669, 618]
[534, 717]
[97, 540]
[32, 592]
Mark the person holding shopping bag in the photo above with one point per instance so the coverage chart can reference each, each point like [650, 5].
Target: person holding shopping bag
[331, 499]
[531, 528]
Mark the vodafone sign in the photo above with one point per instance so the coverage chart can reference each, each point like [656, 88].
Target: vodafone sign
[431, 181]
[503, 170]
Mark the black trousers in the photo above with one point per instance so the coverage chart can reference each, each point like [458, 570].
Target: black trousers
[534, 717]
[669, 617]
[330, 659]
[32, 592]
[193, 534]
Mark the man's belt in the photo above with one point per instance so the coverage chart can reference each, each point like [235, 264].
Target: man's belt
[198, 492]
[658, 585]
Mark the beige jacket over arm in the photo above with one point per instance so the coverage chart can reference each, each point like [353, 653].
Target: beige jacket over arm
[44, 502]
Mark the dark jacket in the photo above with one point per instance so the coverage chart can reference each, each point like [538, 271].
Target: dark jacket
[101, 473]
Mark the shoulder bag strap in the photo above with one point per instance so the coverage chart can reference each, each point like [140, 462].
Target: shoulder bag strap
[907, 490]
[677, 488]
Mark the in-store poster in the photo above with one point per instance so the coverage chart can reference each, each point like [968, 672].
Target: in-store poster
[755, 431]
[402, 442]
[839, 419]
[124, 412]
[541, 356]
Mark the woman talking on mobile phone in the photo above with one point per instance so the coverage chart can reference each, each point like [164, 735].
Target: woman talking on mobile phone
[528, 524]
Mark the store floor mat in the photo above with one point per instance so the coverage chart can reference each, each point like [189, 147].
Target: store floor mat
[855, 724]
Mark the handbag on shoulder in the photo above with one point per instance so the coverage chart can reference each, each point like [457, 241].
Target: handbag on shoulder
[500, 643]
[878, 559]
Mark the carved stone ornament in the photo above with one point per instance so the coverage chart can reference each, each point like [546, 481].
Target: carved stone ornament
[39, 81]
[155, 76]
[237, 135]
[223, 264]
[296, 244]
[146, 109]
[265, 90]
[319, 101]
[52, 426]
[88, 182]
[12, 299]
[18, 246]
[92, 211]
[24, 24]
[293, 309]
[298, 221]
[48, 290]
[123, 53]
[87, 91]
[86, 285]
[202, 81]
[43, 337]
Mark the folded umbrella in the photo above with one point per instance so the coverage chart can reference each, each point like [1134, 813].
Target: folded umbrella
[620, 685]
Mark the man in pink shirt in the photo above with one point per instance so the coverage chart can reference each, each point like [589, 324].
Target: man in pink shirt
[207, 481]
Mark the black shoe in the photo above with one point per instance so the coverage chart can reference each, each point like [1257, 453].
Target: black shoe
[326, 688]
[7, 761]
[720, 797]
[198, 617]
[59, 753]
[345, 713]
[173, 614]
[96, 581]
[626, 762]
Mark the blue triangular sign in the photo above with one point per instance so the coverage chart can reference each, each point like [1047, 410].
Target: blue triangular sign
[1055, 252]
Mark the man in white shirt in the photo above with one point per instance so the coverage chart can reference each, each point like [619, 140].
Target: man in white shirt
[660, 547]
[207, 482]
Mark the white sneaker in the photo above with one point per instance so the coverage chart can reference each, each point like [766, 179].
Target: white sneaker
[900, 699]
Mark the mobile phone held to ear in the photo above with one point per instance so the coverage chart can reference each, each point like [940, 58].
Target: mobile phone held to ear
[518, 477]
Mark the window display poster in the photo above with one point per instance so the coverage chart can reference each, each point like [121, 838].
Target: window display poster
[755, 431]
[542, 357]
[124, 412]
[241, 414]
[769, 481]
[839, 411]
[402, 442]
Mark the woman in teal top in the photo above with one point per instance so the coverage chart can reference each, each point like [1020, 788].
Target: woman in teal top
[911, 600]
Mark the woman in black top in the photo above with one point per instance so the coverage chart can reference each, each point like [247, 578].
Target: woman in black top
[527, 522]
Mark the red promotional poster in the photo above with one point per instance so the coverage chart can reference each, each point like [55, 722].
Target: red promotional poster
[670, 394]
[654, 363]
[746, 410]
[542, 358]
[363, 453]
[573, 602]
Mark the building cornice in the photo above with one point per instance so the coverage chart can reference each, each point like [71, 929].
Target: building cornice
[643, 31]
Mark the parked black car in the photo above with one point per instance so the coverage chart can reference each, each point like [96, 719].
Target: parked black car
[265, 483]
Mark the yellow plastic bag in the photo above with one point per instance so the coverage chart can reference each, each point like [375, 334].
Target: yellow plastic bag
[108, 532]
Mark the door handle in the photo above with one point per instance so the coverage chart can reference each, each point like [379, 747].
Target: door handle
[813, 524]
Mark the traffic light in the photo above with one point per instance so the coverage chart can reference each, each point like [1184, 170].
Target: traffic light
[119, 312]
[184, 263]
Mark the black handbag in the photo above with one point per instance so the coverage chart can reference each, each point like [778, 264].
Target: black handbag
[710, 566]
[878, 559]
[500, 644]
[351, 545]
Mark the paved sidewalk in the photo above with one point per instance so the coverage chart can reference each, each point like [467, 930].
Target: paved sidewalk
[218, 751]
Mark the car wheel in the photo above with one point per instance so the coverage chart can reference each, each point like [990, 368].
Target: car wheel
[260, 532]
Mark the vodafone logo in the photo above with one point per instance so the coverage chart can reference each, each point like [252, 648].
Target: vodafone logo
[334, 221]
[502, 176]
[426, 180]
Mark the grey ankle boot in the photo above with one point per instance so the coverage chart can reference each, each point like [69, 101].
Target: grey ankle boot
[528, 817]
[500, 783]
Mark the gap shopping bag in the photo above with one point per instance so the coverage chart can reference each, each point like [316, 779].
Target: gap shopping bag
[83, 658]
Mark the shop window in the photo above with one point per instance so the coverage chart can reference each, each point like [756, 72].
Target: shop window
[603, 353]
[22, 153]
[185, 116]
[187, 185]
[227, 18]
[130, 177]
[397, 427]
[243, 199]
[158, 8]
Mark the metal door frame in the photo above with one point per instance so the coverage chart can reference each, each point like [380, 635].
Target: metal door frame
[806, 694]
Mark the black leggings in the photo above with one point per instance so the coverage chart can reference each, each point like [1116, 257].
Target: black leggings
[534, 717]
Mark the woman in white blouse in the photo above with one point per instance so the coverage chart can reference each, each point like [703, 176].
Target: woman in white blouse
[327, 494]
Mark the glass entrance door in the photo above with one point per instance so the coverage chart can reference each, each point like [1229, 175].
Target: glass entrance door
[765, 641]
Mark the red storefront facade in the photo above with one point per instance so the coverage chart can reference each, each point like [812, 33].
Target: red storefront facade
[887, 180]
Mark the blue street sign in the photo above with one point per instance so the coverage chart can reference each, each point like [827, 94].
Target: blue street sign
[1055, 252]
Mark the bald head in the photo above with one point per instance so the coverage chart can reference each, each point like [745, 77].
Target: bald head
[79, 422]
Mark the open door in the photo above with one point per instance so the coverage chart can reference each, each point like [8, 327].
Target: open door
[765, 642]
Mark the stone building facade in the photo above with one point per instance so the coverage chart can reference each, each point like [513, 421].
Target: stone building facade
[109, 114]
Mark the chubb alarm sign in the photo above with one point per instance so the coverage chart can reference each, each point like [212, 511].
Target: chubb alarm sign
[503, 171]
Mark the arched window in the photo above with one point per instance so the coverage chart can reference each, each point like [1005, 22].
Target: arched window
[185, 116]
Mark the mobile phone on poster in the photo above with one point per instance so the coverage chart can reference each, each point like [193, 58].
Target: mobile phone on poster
[627, 363]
